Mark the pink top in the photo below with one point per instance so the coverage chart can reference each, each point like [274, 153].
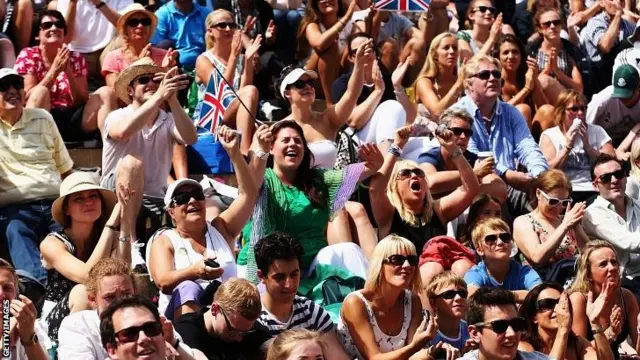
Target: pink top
[31, 62]
[114, 61]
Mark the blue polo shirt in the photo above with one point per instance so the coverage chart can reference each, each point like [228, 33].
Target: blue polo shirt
[185, 31]
[519, 277]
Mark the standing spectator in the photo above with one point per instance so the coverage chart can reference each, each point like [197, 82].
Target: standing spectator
[602, 38]
[24, 335]
[493, 242]
[278, 259]
[495, 326]
[500, 128]
[287, 15]
[617, 108]
[91, 27]
[34, 162]
[21, 19]
[181, 26]
[227, 329]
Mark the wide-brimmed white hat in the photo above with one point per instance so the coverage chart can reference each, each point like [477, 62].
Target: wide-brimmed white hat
[294, 76]
[131, 10]
[139, 67]
[77, 182]
[174, 186]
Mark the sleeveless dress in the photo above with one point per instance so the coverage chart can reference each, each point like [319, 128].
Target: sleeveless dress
[386, 343]
[568, 248]
[185, 255]
[417, 235]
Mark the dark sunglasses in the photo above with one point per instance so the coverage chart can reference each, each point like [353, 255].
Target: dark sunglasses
[46, 25]
[487, 74]
[554, 201]
[451, 294]
[548, 24]
[406, 173]
[184, 197]
[301, 84]
[500, 326]
[144, 80]
[398, 260]
[233, 331]
[132, 334]
[605, 178]
[16, 83]
[135, 22]
[505, 237]
[226, 25]
[577, 108]
[457, 131]
[546, 304]
[484, 9]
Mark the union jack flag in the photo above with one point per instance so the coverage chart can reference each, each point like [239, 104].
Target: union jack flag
[217, 99]
[403, 5]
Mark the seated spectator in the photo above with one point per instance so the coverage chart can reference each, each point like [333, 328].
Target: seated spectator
[500, 128]
[298, 344]
[177, 258]
[494, 244]
[181, 26]
[552, 233]
[485, 26]
[287, 15]
[439, 85]
[322, 37]
[391, 289]
[602, 38]
[90, 218]
[611, 217]
[404, 205]
[94, 27]
[299, 199]
[144, 131]
[379, 109]
[442, 173]
[547, 312]
[556, 57]
[447, 294]
[521, 86]
[278, 259]
[483, 206]
[21, 18]
[120, 327]
[617, 108]
[599, 273]
[55, 78]
[630, 56]
[224, 44]
[572, 146]
[228, 329]
[34, 163]
[24, 334]
[526, 29]
[495, 326]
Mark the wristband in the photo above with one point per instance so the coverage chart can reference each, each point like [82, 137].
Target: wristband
[595, 329]
[261, 154]
[398, 91]
[395, 150]
[124, 238]
[100, 4]
[456, 153]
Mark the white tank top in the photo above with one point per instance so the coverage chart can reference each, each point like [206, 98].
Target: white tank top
[325, 153]
[185, 255]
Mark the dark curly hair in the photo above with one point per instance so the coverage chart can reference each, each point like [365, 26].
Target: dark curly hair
[107, 331]
[277, 246]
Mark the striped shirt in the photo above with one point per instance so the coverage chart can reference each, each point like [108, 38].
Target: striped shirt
[32, 157]
[305, 315]
[594, 30]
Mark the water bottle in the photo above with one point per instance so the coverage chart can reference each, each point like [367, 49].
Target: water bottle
[577, 141]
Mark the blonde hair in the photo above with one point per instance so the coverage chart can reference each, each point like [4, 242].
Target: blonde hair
[483, 226]
[208, 23]
[582, 282]
[107, 267]
[430, 69]
[635, 156]
[442, 281]
[286, 342]
[239, 296]
[471, 67]
[565, 98]
[467, 22]
[394, 196]
[390, 245]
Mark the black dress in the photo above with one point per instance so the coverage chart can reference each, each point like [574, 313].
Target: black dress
[417, 235]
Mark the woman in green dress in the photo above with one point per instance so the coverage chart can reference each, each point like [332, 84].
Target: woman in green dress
[300, 200]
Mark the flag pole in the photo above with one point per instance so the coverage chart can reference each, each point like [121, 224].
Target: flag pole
[255, 120]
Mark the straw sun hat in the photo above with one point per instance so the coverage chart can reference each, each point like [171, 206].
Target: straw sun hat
[139, 67]
[134, 9]
[74, 183]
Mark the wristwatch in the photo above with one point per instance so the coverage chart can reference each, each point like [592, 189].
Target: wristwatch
[455, 153]
[100, 4]
[32, 340]
[262, 155]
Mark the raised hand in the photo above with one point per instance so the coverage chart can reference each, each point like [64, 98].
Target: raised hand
[170, 59]
[263, 137]
[532, 73]
[363, 52]
[206, 272]
[61, 60]
[378, 79]
[595, 307]
[371, 156]
[574, 214]
[253, 48]
[575, 19]
[402, 136]
[425, 331]
[125, 195]
[270, 33]
[229, 140]
[350, 10]
[25, 313]
[249, 24]
[146, 51]
[563, 314]
[236, 44]
[496, 27]
[615, 320]
[450, 351]
[398, 74]
[447, 140]
[167, 329]
[171, 83]
[484, 167]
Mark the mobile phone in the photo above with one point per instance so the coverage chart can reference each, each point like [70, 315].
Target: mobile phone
[427, 316]
[211, 263]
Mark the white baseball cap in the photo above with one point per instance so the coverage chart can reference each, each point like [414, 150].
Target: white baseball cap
[294, 76]
[173, 187]
[5, 72]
